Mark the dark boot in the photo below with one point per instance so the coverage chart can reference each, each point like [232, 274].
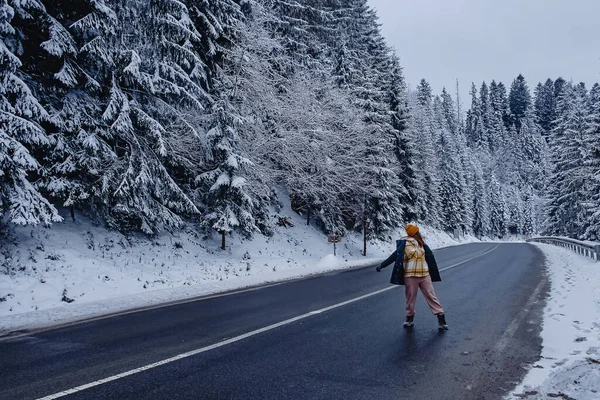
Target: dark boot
[442, 325]
[409, 321]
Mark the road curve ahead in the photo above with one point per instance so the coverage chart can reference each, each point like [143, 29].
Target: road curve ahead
[337, 336]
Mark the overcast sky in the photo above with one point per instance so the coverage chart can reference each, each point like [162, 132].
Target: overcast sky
[477, 40]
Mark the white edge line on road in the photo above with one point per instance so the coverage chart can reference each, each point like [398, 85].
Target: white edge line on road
[510, 331]
[232, 340]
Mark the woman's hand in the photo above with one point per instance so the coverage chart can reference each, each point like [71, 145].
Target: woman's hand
[378, 269]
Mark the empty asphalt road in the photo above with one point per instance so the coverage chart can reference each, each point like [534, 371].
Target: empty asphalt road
[337, 336]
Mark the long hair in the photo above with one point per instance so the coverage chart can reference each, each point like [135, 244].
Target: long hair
[419, 239]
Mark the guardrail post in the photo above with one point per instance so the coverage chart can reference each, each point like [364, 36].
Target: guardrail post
[597, 247]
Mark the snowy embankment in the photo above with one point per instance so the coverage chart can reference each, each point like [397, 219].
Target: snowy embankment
[570, 363]
[76, 270]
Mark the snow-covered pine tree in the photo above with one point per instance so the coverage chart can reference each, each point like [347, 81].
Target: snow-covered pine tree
[480, 204]
[532, 153]
[566, 214]
[450, 113]
[21, 132]
[370, 57]
[295, 24]
[217, 22]
[529, 226]
[228, 206]
[475, 130]
[514, 209]
[398, 103]
[78, 43]
[157, 82]
[486, 111]
[498, 116]
[499, 102]
[591, 166]
[423, 130]
[519, 100]
[559, 84]
[545, 105]
[498, 215]
[453, 189]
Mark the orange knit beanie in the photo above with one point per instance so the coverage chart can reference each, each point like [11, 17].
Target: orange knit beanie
[411, 230]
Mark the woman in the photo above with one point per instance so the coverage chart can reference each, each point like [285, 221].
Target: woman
[415, 267]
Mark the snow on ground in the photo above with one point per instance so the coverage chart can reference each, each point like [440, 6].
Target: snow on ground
[77, 270]
[570, 363]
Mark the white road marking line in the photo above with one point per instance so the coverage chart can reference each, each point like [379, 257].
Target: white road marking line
[211, 347]
[470, 259]
[514, 325]
[230, 341]
[510, 331]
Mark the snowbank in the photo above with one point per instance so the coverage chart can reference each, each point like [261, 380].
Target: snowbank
[570, 363]
[77, 270]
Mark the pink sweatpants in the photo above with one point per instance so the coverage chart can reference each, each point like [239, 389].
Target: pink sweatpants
[412, 285]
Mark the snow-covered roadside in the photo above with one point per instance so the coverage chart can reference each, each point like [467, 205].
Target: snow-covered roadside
[77, 270]
[570, 363]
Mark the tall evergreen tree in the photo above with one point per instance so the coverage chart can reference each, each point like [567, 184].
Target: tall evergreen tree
[481, 207]
[453, 200]
[398, 102]
[423, 130]
[545, 105]
[591, 166]
[21, 131]
[519, 100]
[449, 112]
[498, 211]
[475, 130]
[559, 84]
[566, 214]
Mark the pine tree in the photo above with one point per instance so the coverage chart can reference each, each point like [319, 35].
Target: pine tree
[454, 202]
[369, 56]
[591, 166]
[77, 50]
[498, 215]
[529, 217]
[519, 100]
[486, 109]
[449, 112]
[498, 109]
[545, 105]
[559, 84]
[514, 210]
[229, 207]
[475, 130]
[566, 214]
[499, 102]
[21, 132]
[532, 153]
[403, 146]
[480, 205]
[422, 127]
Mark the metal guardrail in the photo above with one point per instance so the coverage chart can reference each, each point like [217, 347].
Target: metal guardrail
[591, 250]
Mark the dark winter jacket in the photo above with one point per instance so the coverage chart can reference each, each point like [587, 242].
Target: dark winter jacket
[397, 258]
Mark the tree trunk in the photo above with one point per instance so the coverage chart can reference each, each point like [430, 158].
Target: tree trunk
[364, 221]
[223, 233]
[73, 213]
[364, 234]
[307, 215]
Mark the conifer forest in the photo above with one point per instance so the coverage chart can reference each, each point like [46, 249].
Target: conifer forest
[152, 114]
